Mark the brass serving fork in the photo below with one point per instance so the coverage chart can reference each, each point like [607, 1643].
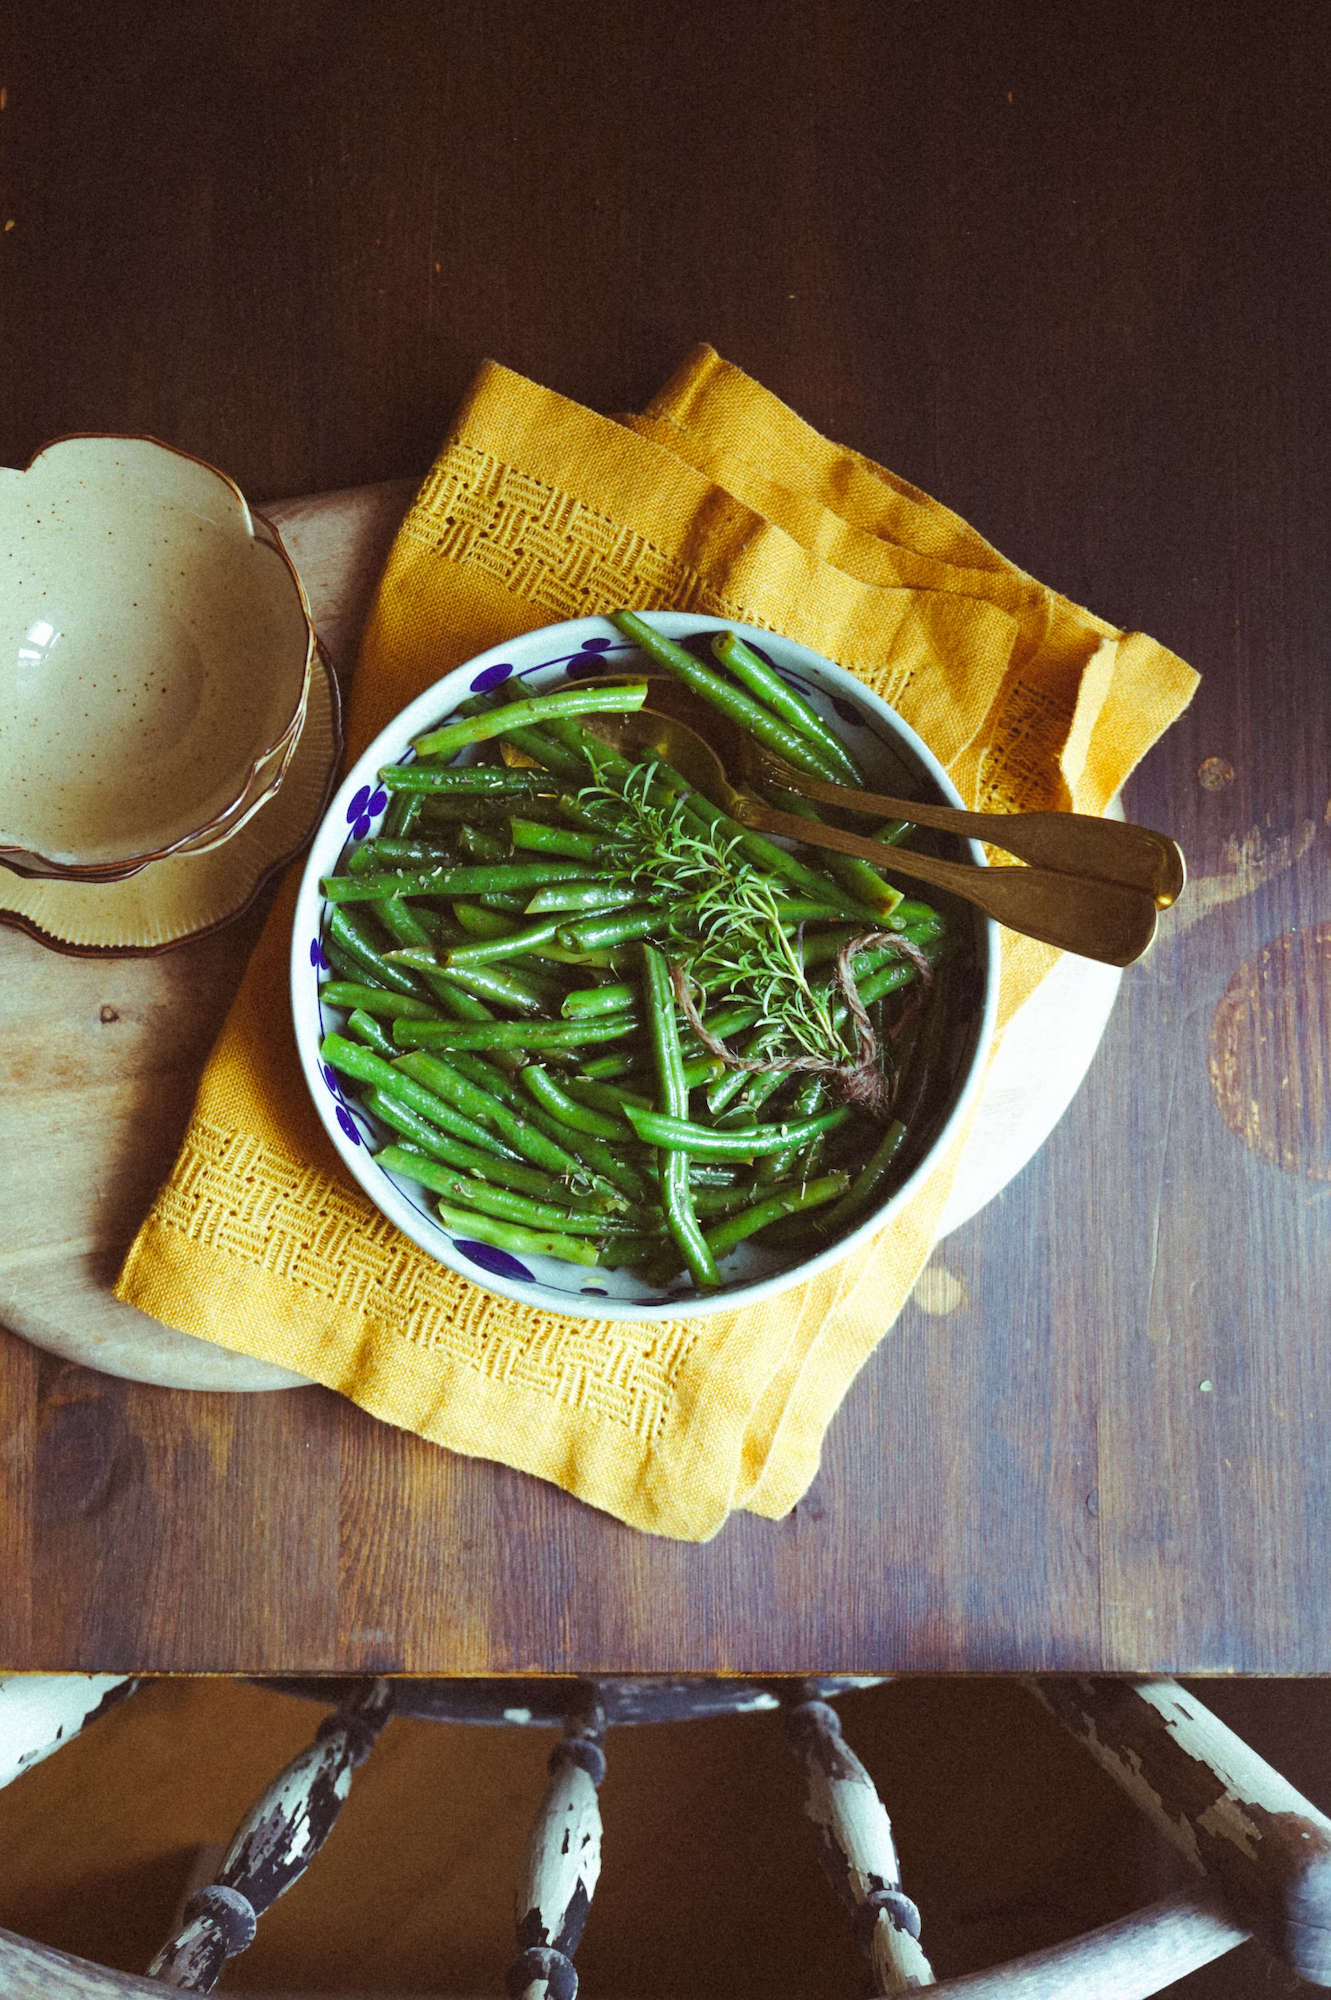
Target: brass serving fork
[1095, 915]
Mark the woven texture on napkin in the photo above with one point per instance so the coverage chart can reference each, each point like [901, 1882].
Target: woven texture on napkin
[720, 500]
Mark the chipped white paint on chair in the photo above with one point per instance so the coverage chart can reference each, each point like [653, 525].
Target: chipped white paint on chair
[1264, 1851]
[41, 1712]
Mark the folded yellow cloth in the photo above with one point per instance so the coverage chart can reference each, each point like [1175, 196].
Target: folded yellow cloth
[716, 499]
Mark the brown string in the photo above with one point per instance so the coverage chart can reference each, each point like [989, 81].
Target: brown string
[862, 1082]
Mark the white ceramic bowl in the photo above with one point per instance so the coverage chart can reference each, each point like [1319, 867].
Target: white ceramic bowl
[890, 754]
[156, 650]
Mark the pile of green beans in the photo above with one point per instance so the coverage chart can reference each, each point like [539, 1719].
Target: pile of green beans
[508, 1014]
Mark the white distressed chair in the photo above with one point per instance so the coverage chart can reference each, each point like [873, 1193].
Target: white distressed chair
[1261, 1852]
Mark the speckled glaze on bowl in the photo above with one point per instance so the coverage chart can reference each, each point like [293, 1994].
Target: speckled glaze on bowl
[891, 755]
[156, 651]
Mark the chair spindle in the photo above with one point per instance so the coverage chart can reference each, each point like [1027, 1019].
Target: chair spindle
[855, 1846]
[273, 1845]
[561, 1863]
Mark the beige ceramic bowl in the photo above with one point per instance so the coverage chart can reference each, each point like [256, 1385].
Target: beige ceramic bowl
[156, 650]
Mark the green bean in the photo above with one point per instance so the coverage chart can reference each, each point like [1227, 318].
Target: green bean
[638, 1253]
[715, 1201]
[676, 1194]
[888, 979]
[793, 1200]
[768, 685]
[389, 851]
[807, 1102]
[701, 1069]
[865, 1187]
[619, 998]
[761, 724]
[507, 986]
[730, 1020]
[503, 1202]
[788, 867]
[351, 1059]
[477, 921]
[826, 944]
[565, 897]
[487, 1076]
[411, 932]
[608, 1097]
[375, 1000]
[606, 1164]
[829, 899]
[603, 698]
[613, 1161]
[449, 880]
[914, 912]
[536, 837]
[680, 1133]
[581, 1117]
[619, 927]
[727, 1087]
[521, 1135]
[456, 1153]
[482, 843]
[584, 961]
[488, 780]
[505, 944]
[551, 756]
[440, 815]
[509, 1034]
[342, 965]
[404, 809]
[353, 935]
[518, 1241]
[606, 1066]
[373, 1033]
[759, 1087]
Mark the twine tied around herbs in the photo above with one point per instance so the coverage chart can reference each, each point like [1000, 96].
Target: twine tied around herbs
[861, 1083]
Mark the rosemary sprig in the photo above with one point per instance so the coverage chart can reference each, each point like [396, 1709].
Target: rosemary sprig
[722, 913]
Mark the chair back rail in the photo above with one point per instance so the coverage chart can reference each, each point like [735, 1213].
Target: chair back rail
[1130, 1959]
[40, 1713]
[1228, 1812]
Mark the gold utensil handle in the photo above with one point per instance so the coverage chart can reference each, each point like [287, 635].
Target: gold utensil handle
[1109, 921]
[1072, 843]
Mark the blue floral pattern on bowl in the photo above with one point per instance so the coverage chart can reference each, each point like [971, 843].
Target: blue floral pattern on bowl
[365, 807]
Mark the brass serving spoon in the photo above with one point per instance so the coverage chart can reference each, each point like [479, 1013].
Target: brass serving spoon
[1111, 921]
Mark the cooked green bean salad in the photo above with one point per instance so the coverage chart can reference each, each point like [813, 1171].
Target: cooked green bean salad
[601, 1021]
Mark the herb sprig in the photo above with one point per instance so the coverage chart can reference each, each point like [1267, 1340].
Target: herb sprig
[724, 919]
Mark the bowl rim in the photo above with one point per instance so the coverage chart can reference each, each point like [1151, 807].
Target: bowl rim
[251, 794]
[387, 746]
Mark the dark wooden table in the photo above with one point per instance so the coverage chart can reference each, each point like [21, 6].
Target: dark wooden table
[1067, 270]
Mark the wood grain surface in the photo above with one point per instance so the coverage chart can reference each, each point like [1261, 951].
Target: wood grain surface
[1068, 272]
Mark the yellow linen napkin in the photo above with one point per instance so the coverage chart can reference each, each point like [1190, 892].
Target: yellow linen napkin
[716, 499]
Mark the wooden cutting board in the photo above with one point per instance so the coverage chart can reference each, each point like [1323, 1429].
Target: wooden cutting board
[99, 1057]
